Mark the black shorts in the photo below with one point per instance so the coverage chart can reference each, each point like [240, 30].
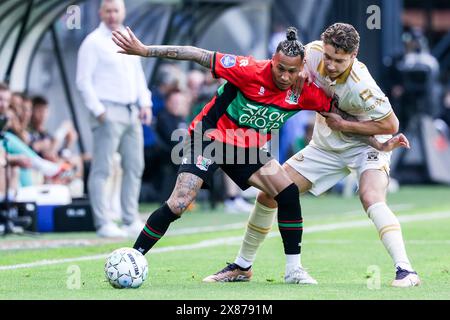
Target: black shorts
[205, 157]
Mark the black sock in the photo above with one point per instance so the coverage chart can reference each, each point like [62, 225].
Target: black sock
[290, 222]
[154, 229]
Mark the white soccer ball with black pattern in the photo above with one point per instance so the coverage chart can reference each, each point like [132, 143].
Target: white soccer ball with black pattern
[126, 268]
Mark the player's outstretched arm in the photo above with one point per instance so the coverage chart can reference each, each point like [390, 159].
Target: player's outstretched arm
[131, 45]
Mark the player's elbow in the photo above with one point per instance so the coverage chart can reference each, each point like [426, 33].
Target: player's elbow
[395, 126]
[391, 125]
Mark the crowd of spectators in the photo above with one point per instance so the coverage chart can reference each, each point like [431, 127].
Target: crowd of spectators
[33, 154]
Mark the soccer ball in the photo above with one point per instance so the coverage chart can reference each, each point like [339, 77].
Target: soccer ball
[126, 268]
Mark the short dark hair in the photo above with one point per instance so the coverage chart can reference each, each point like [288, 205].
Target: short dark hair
[291, 46]
[4, 86]
[39, 101]
[341, 36]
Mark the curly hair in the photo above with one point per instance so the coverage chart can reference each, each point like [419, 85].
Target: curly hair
[341, 36]
[291, 46]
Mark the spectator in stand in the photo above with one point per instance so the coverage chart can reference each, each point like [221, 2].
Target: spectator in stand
[24, 117]
[195, 82]
[15, 146]
[40, 139]
[53, 147]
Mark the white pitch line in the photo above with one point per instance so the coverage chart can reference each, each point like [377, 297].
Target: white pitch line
[193, 230]
[239, 225]
[348, 241]
[233, 240]
[175, 232]
[367, 222]
[59, 243]
[393, 207]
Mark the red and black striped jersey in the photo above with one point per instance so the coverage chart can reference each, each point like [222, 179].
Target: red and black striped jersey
[249, 105]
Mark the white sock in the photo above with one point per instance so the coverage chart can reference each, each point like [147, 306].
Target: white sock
[47, 168]
[390, 232]
[293, 261]
[241, 262]
[259, 224]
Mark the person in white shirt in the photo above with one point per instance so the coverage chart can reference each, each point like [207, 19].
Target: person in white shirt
[334, 152]
[114, 89]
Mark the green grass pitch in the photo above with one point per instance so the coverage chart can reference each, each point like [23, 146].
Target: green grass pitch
[338, 251]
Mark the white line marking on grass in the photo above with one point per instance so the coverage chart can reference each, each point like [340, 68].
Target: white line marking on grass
[393, 207]
[367, 222]
[233, 240]
[348, 241]
[193, 230]
[59, 243]
[239, 225]
[71, 243]
[187, 247]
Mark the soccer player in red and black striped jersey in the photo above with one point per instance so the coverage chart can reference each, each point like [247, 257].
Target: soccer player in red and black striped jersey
[258, 97]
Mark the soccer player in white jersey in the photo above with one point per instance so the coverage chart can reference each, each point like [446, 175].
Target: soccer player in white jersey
[335, 151]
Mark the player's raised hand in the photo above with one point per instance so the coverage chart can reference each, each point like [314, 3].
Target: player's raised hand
[398, 141]
[303, 77]
[129, 43]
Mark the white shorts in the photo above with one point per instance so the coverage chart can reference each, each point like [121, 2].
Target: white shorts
[326, 168]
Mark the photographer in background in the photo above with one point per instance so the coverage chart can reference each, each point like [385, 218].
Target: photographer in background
[417, 88]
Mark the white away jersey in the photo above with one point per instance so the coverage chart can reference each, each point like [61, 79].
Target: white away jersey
[358, 93]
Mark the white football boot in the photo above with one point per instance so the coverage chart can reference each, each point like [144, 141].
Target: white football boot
[298, 275]
[405, 279]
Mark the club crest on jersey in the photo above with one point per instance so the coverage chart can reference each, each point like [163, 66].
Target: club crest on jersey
[262, 90]
[203, 163]
[228, 61]
[372, 156]
[299, 157]
[292, 97]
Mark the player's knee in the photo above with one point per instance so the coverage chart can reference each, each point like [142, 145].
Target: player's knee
[178, 203]
[369, 197]
[289, 195]
[266, 200]
[177, 206]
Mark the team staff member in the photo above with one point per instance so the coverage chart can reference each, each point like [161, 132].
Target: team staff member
[114, 89]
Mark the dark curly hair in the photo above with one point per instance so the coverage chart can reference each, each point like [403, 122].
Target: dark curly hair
[341, 36]
[291, 46]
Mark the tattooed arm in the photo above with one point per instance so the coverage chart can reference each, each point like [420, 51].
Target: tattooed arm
[133, 46]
